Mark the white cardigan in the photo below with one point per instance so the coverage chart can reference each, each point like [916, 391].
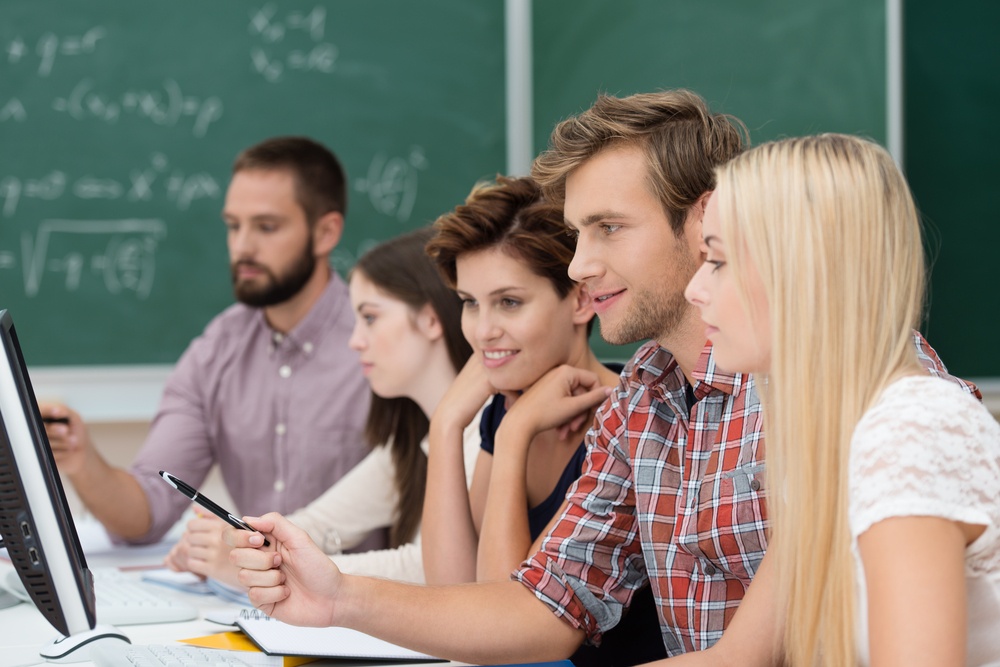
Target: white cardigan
[365, 500]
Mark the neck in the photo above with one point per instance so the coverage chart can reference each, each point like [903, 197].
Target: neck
[686, 342]
[435, 381]
[285, 316]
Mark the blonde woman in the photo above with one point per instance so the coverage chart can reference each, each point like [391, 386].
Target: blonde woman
[885, 481]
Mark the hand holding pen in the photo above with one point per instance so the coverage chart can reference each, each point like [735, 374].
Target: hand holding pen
[205, 502]
[67, 434]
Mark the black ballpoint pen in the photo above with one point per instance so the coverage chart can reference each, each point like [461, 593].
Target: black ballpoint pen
[202, 500]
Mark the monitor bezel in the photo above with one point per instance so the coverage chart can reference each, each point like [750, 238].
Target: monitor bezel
[35, 519]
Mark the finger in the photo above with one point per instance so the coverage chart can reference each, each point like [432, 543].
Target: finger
[590, 399]
[260, 579]
[238, 538]
[264, 524]
[279, 529]
[171, 563]
[265, 598]
[253, 559]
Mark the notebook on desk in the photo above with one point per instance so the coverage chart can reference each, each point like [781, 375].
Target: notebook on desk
[277, 638]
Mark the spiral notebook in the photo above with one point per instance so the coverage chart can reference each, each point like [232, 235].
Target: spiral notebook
[277, 638]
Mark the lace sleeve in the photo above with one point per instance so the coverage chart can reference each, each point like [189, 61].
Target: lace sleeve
[926, 449]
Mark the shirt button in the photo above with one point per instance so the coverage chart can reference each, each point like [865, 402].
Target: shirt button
[755, 484]
[307, 348]
[285, 371]
[280, 429]
[279, 486]
[278, 337]
[710, 570]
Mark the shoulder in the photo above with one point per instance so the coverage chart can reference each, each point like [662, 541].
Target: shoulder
[926, 404]
[226, 333]
[925, 448]
[235, 321]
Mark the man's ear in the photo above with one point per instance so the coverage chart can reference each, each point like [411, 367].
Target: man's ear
[429, 324]
[327, 232]
[695, 220]
[583, 304]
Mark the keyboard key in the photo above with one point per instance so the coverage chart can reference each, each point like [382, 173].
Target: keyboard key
[119, 654]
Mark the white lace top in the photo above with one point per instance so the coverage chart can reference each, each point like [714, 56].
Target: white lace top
[927, 448]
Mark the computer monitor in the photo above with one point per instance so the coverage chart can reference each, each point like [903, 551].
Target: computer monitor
[35, 520]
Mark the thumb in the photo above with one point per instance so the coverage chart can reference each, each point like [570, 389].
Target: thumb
[280, 528]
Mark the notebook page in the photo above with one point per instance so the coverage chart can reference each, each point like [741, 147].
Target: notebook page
[277, 638]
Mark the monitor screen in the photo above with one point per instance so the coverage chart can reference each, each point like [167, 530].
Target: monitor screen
[35, 521]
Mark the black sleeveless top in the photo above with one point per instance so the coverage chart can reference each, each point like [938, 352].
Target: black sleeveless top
[637, 638]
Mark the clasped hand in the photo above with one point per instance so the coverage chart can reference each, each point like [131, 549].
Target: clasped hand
[291, 580]
[561, 399]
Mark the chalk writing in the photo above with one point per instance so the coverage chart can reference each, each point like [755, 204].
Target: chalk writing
[13, 110]
[272, 62]
[265, 22]
[167, 106]
[50, 46]
[125, 263]
[142, 184]
[320, 58]
[391, 183]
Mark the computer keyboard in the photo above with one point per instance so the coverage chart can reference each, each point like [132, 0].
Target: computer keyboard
[122, 600]
[119, 654]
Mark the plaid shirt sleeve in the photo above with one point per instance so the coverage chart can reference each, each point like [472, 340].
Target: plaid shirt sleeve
[590, 564]
[930, 360]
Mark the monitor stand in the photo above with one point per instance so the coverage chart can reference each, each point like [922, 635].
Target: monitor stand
[76, 648]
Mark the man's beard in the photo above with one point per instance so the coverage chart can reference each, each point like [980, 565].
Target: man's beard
[652, 314]
[277, 289]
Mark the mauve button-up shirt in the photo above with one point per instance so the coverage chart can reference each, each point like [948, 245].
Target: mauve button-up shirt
[282, 414]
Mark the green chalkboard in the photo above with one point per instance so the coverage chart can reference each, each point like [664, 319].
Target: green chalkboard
[784, 67]
[119, 120]
[952, 145]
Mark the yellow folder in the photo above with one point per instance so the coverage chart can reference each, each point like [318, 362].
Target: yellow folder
[237, 641]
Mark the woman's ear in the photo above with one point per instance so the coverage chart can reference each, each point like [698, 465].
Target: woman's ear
[326, 233]
[583, 304]
[428, 323]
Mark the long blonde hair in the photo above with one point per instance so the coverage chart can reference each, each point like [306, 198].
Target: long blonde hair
[830, 224]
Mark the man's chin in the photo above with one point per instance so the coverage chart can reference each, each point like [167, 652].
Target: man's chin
[253, 298]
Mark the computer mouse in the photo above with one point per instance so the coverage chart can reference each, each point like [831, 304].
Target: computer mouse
[76, 648]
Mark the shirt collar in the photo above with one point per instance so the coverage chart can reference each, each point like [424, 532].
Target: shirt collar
[656, 366]
[308, 333]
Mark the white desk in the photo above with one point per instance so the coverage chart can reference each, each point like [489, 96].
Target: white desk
[23, 629]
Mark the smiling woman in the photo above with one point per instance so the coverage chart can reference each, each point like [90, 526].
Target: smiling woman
[507, 252]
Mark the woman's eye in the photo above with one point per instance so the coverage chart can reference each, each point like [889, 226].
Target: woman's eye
[468, 303]
[716, 264]
[510, 303]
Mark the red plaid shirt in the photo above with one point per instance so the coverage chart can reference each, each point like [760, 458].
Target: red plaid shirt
[669, 494]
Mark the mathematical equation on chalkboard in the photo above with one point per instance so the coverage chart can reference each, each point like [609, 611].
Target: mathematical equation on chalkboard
[119, 253]
[273, 53]
[54, 232]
